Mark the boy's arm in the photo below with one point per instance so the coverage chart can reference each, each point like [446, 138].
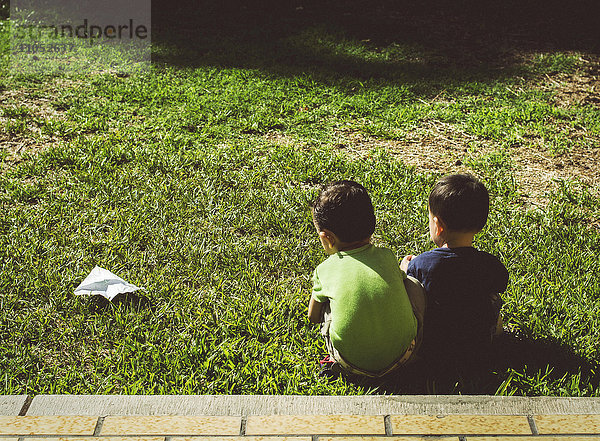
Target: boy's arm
[405, 261]
[315, 311]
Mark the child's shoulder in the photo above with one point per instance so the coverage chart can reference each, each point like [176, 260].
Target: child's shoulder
[487, 256]
[485, 262]
[436, 253]
[455, 256]
[384, 254]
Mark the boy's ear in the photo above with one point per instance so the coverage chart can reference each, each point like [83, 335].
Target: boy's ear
[328, 236]
[439, 225]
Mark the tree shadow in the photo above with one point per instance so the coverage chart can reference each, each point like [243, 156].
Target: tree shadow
[397, 41]
[487, 372]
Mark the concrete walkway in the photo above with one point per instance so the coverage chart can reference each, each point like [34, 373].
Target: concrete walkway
[307, 418]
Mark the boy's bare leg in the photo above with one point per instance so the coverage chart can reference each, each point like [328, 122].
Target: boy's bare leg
[416, 295]
[497, 304]
[499, 326]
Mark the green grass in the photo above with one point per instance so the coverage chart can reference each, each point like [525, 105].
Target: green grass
[172, 180]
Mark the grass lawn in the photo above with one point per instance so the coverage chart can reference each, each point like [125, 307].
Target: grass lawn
[193, 180]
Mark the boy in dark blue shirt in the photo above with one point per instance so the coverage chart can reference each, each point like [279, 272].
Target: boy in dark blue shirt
[462, 283]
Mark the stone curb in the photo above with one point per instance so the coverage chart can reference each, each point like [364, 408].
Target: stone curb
[11, 405]
[245, 405]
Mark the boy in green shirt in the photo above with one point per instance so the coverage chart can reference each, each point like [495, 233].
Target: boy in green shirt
[359, 291]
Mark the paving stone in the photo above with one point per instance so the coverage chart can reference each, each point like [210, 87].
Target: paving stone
[11, 404]
[315, 425]
[550, 424]
[387, 438]
[532, 438]
[96, 438]
[246, 438]
[171, 425]
[460, 425]
[47, 425]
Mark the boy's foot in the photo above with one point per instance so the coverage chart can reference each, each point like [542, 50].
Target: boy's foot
[329, 368]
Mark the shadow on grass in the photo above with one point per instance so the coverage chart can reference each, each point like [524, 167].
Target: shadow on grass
[403, 41]
[499, 370]
[131, 300]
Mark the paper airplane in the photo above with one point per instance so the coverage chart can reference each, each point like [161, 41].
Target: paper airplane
[101, 282]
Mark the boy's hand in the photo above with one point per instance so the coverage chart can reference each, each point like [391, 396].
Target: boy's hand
[404, 263]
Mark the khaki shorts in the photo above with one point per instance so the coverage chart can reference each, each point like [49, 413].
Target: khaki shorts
[416, 295]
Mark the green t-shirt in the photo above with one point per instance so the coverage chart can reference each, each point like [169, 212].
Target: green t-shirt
[372, 322]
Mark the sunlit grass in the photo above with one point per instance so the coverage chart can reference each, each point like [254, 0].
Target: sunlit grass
[171, 179]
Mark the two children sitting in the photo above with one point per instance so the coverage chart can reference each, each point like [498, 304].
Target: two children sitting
[373, 314]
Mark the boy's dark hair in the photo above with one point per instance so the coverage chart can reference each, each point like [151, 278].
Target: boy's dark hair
[345, 209]
[461, 202]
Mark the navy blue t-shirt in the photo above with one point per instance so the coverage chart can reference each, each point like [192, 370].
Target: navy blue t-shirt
[459, 283]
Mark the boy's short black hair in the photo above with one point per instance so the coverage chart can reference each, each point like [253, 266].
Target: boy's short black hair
[345, 209]
[461, 202]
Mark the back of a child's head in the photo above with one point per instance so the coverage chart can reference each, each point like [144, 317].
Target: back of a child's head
[345, 209]
[461, 202]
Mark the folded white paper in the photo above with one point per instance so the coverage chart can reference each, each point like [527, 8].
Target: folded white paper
[101, 282]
